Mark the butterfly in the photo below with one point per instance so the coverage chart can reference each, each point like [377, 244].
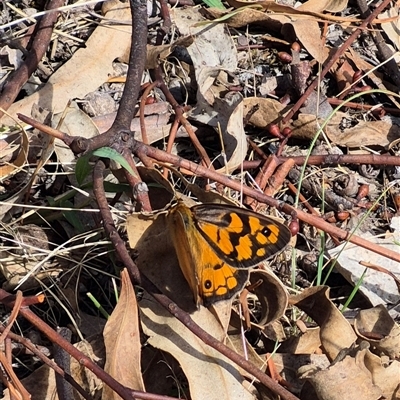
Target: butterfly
[217, 244]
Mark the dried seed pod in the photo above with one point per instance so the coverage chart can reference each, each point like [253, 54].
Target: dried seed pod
[342, 215]
[274, 130]
[285, 57]
[150, 100]
[363, 191]
[379, 112]
[294, 227]
[296, 47]
[286, 132]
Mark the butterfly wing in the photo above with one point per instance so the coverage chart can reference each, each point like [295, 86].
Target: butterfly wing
[240, 237]
[209, 276]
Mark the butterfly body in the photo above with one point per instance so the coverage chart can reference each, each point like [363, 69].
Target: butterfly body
[216, 244]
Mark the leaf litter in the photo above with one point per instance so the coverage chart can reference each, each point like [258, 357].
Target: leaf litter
[237, 72]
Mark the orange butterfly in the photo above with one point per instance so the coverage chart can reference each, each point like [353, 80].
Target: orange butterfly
[217, 244]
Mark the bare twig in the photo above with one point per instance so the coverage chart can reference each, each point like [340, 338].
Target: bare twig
[333, 59]
[39, 47]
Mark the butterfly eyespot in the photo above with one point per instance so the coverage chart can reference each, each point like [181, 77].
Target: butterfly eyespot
[207, 284]
[266, 231]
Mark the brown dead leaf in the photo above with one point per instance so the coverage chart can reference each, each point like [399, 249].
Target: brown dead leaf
[345, 380]
[384, 376]
[288, 364]
[305, 25]
[392, 28]
[373, 73]
[210, 375]
[212, 46]
[122, 341]
[269, 110]
[17, 142]
[377, 323]
[155, 54]
[213, 54]
[271, 294]
[291, 12]
[365, 133]
[71, 81]
[93, 348]
[309, 34]
[157, 116]
[235, 141]
[332, 6]
[336, 333]
[222, 110]
[246, 17]
[41, 383]
[307, 343]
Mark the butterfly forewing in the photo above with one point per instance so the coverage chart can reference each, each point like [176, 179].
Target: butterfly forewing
[209, 276]
[240, 237]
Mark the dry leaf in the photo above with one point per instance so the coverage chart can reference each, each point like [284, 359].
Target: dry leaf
[210, 375]
[336, 333]
[235, 141]
[392, 28]
[269, 111]
[307, 343]
[17, 142]
[223, 111]
[72, 80]
[41, 383]
[271, 294]
[374, 75]
[345, 380]
[333, 6]
[384, 376]
[212, 52]
[212, 46]
[155, 54]
[122, 341]
[157, 116]
[365, 133]
[376, 322]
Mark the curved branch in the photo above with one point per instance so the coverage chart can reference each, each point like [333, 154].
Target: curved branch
[39, 47]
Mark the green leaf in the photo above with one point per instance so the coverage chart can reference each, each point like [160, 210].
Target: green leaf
[108, 152]
[215, 4]
[72, 216]
[82, 168]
